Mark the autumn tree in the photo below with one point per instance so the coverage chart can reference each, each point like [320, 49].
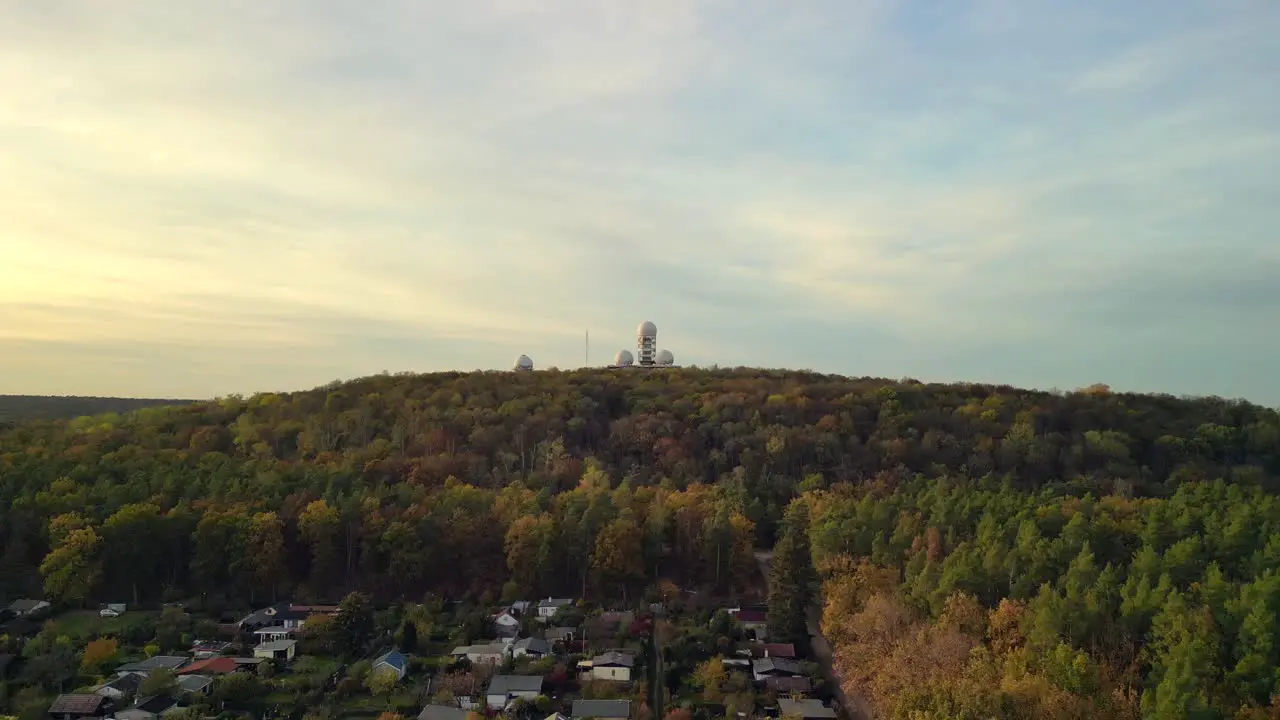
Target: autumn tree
[319, 523]
[353, 625]
[264, 546]
[98, 654]
[73, 568]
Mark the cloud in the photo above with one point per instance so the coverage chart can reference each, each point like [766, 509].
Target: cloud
[860, 187]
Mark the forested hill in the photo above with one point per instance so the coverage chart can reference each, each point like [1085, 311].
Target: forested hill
[50, 407]
[1121, 543]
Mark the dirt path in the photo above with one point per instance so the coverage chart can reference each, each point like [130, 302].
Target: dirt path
[857, 707]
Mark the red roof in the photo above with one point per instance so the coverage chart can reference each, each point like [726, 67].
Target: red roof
[751, 616]
[212, 666]
[77, 704]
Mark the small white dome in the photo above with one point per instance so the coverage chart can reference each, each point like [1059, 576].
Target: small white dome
[647, 329]
[665, 358]
[624, 358]
[523, 363]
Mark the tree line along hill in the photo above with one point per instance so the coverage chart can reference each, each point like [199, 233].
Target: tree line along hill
[979, 551]
[51, 407]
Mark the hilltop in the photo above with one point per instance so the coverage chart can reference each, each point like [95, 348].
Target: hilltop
[50, 407]
[1084, 528]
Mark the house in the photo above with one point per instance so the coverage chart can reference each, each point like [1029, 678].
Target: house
[283, 650]
[776, 650]
[738, 663]
[196, 684]
[531, 647]
[148, 708]
[548, 608]
[27, 607]
[118, 689]
[506, 623]
[505, 688]
[442, 712]
[159, 662]
[492, 652]
[520, 607]
[270, 634]
[278, 615]
[560, 634]
[212, 666]
[775, 667]
[601, 709]
[394, 662]
[806, 709]
[612, 665]
[75, 706]
[112, 610]
[785, 684]
[754, 622]
[205, 649]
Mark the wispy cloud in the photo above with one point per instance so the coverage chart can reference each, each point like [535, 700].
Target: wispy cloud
[199, 196]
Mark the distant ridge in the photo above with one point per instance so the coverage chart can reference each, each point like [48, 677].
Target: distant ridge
[49, 407]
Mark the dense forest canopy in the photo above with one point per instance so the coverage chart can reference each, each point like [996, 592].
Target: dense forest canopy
[1104, 553]
[53, 407]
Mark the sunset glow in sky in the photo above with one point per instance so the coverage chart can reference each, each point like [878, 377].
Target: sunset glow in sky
[205, 198]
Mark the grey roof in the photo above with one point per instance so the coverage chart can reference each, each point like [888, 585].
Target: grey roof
[555, 602]
[493, 648]
[126, 683]
[159, 662]
[442, 712]
[601, 708]
[509, 684]
[613, 658]
[776, 665]
[194, 683]
[26, 605]
[155, 704]
[533, 645]
[560, 633]
[805, 708]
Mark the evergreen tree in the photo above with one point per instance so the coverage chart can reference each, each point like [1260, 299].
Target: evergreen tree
[353, 624]
[791, 579]
[409, 637]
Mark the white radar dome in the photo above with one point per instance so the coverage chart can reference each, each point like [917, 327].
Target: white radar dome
[624, 358]
[647, 329]
[666, 358]
[523, 363]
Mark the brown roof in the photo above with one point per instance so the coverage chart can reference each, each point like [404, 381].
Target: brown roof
[788, 684]
[212, 666]
[750, 616]
[77, 704]
[782, 650]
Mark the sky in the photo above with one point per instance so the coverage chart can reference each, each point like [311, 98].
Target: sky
[199, 199]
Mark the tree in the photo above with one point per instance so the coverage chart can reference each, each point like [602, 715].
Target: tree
[382, 681]
[265, 551]
[98, 653]
[353, 625]
[618, 555]
[158, 682]
[72, 569]
[130, 548]
[319, 523]
[711, 676]
[791, 579]
[409, 637]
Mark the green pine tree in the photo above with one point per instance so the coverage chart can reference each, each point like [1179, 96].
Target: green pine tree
[791, 579]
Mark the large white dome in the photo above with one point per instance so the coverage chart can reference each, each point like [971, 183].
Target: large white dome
[665, 358]
[624, 358]
[523, 363]
[647, 329]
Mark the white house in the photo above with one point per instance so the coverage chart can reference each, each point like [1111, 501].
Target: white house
[492, 653]
[548, 608]
[277, 650]
[505, 688]
[531, 647]
[271, 634]
[506, 620]
[612, 666]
